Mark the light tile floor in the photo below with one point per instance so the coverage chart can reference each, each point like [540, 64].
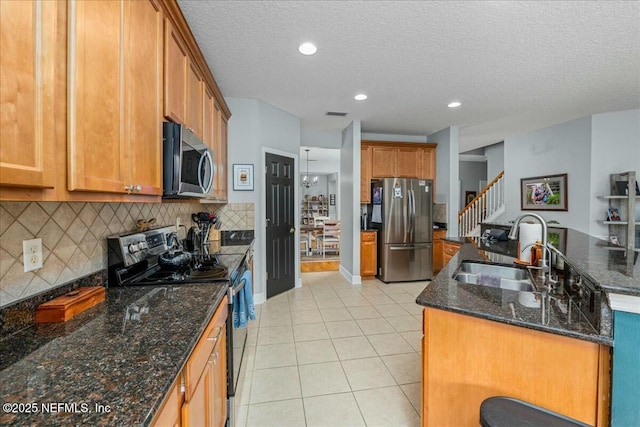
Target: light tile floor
[334, 354]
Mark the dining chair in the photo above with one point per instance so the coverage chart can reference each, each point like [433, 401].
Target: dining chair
[330, 237]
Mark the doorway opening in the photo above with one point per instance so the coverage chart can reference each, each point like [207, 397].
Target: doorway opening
[319, 218]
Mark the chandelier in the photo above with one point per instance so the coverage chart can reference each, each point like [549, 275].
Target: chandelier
[306, 180]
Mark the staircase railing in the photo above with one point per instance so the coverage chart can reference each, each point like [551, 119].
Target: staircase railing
[487, 204]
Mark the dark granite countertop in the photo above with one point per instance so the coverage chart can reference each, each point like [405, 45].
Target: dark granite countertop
[124, 353]
[502, 305]
[608, 267]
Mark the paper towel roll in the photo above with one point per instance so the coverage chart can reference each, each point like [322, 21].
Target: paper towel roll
[528, 234]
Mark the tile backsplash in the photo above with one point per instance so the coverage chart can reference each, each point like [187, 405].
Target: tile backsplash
[74, 237]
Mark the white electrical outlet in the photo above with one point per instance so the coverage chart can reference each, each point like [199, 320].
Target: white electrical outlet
[32, 254]
[178, 223]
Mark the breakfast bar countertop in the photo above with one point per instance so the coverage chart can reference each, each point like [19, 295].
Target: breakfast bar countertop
[503, 305]
[110, 365]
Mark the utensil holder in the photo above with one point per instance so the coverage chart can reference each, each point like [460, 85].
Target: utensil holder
[214, 235]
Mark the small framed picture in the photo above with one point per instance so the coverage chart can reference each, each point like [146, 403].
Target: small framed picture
[469, 196]
[614, 240]
[613, 214]
[243, 177]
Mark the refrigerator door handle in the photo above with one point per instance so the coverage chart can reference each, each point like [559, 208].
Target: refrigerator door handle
[409, 248]
[412, 226]
[409, 217]
[413, 197]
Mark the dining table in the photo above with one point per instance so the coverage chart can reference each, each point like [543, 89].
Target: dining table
[309, 229]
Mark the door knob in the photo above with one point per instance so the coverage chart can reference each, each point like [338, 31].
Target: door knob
[292, 230]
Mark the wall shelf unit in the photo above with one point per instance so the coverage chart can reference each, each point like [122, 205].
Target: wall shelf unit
[624, 199]
[314, 206]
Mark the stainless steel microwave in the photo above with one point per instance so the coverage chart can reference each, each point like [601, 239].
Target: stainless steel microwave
[187, 164]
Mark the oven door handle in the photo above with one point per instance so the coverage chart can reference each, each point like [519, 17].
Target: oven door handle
[233, 290]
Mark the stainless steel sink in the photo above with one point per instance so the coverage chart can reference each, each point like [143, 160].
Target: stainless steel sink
[494, 275]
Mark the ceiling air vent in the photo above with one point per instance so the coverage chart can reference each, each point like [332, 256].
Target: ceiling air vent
[335, 114]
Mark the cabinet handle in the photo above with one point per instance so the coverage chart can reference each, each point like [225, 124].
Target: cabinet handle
[133, 188]
[216, 331]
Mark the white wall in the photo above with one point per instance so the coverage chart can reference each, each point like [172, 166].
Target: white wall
[471, 173]
[394, 138]
[564, 148]
[315, 190]
[350, 202]
[321, 139]
[495, 160]
[615, 148]
[588, 149]
[255, 128]
[447, 168]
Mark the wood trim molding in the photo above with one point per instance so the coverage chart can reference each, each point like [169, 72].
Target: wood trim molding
[173, 12]
[370, 143]
[484, 190]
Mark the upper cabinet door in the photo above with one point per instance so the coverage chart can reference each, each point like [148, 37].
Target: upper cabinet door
[408, 162]
[195, 100]
[175, 75]
[143, 93]
[383, 162]
[223, 185]
[27, 64]
[365, 174]
[96, 152]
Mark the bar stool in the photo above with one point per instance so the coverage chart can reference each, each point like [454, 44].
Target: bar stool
[500, 411]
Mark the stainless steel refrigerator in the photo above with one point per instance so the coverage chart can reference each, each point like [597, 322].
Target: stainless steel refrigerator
[402, 212]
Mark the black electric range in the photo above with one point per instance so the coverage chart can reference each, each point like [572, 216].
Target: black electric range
[133, 259]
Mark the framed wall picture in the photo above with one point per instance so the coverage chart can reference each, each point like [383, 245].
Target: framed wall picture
[544, 193]
[243, 177]
[469, 196]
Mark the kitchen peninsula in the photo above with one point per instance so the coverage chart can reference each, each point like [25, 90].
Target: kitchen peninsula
[481, 341]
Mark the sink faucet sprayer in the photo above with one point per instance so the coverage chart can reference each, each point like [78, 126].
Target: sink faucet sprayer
[544, 262]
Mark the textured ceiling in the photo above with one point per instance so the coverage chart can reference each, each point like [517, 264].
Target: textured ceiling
[516, 66]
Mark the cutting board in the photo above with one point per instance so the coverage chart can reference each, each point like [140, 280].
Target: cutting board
[66, 306]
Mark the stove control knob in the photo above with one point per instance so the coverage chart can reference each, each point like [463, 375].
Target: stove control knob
[133, 248]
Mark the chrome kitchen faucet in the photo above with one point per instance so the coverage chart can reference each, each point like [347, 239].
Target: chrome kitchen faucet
[544, 262]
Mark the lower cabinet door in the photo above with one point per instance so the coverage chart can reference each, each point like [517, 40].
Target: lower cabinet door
[198, 411]
[219, 384]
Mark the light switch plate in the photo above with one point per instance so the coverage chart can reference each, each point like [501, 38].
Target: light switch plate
[32, 254]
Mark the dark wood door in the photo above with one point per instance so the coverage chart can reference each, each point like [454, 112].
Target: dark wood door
[280, 224]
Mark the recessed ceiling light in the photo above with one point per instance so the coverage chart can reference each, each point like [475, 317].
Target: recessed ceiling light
[454, 104]
[360, 97]
[307, 48]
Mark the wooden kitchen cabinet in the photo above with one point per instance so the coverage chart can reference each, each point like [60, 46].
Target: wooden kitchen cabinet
[427, 168]
[89, 75]
[176, 61]
[383, 162]
[205, 402]
[365, 174]
[408, 162]
[199, 394]
[169, 414]
[194, 100]
[449, 249]
[114, 134]
[368, 253]
[216, 140]
[222, 178]
[468, 359]
[384, 159]
[438, 250]
[27, 92]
